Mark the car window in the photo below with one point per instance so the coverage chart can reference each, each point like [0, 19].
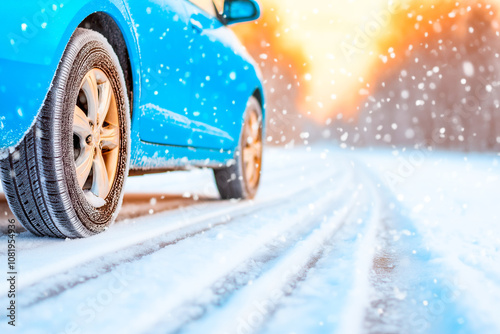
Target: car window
[208, 6]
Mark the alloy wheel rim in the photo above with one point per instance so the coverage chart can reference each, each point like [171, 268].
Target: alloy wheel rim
[96, 134]
[252, 151]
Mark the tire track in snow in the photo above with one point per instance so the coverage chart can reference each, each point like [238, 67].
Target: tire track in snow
[67, 277]
[61, 255]
[358, 299]
[264, 294]
[333, 295]
[180, 312]
[411, 291]
[224, 288]
[59, 285]
[246, 250]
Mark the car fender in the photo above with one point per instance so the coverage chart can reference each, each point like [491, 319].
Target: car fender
[34, 36]
[249, 83]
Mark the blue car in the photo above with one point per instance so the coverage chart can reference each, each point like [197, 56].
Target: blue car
[93, 91]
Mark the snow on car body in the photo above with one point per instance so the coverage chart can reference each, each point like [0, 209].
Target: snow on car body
[186, 81]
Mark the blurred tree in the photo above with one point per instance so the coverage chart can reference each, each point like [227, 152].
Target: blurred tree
[438, 81]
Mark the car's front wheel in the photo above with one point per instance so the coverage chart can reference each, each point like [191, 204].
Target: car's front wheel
[241, 179]
[66, 178]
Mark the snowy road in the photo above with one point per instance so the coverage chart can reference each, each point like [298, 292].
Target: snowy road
[330, 245]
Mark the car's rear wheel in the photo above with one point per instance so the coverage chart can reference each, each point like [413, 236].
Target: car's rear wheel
[66, 178]
[241, 179]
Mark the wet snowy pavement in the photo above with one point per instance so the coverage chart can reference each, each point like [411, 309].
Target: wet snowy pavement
[335, 242]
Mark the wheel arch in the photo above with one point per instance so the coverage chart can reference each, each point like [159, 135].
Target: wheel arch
[104, 24]
[259, 95]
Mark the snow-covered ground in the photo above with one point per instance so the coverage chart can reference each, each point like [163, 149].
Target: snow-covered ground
[337, 241]
[451, 201]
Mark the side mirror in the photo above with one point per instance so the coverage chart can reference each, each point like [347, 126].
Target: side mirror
[236, 11]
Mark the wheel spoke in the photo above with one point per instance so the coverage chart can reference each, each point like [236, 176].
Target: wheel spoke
[254, 126]
[84, 165]
[110, 137]
[81, 125]
[248, 153]
[249, 140]
[91, 92]
[249, 169]
[105, 95]
[257, 147]
[100, 183]
[96, 124]
[252, 151]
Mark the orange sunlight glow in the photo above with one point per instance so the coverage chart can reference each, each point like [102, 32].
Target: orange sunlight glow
[338, 49]
[315, 34]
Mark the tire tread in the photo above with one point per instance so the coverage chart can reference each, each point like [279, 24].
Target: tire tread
[21, 177]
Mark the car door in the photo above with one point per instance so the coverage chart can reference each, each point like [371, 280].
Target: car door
[165, 71]
[213, 64]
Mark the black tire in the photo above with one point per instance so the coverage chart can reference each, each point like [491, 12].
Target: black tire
[232, 181]
[39, 176]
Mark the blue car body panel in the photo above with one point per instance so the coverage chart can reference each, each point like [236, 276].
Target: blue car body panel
[34, 36]
[191, 76]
